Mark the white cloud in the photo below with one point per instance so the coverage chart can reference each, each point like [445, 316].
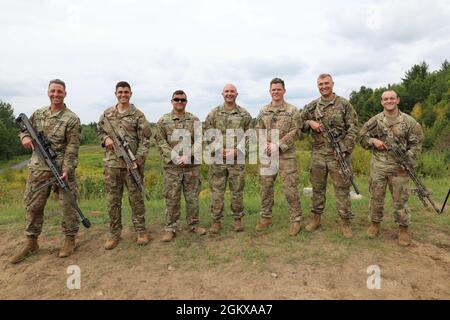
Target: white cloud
[200, 45]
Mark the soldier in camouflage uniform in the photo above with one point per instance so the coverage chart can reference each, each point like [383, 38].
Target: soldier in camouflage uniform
[228, 116]
[181, 170]
[62, 128]
[339, 115]
[282, 116]
[131, 123]
[385, 171]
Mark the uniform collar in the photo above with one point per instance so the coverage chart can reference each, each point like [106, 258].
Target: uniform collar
[279, 108]
[175, 117]
[234, 110]
[326, 103]
[55, 114]
[399, 117]
[131, 110]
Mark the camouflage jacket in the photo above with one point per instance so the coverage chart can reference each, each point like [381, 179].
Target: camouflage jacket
[132, 125]
[339, 115]
[63, 130]
[285, 119]
[167, 138]
[403, 127]
[222, 119]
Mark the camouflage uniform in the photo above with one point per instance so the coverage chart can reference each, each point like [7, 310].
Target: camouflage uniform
[339, 115]
[219, 174]
[285, 119]
[384, 169]
[177, 177]
[63, 130]
[134, 127]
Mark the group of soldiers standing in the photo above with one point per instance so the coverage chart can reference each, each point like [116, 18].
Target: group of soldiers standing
[182, 173]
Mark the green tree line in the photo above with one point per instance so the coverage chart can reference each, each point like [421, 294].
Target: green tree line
[424, 94]
[9, 142]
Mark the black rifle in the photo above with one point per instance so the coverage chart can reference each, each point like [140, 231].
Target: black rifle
[122, 150]
[44, 150]
[445, 202]
[399, 152]
[332, 137]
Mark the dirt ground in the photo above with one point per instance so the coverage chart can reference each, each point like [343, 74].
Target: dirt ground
[421, 271]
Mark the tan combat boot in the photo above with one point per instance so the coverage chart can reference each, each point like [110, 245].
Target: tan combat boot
[264, 223]
[314, 224]
[215, 227]
[168, 236]
[112, 242]
[68, 247]
[403, 236]
[346, 229]
[374, 230]
[142, 238]
[30, 248]
[198, 230]
[294, 228]
[238, 225]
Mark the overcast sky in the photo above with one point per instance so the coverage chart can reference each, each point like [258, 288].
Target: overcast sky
[198, 46]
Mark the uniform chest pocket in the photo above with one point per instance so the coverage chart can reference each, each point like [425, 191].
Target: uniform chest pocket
[336, 116]
[235, 122]
[189, 127]
[129, 124]
[267, 119]
[400, 130]
[221, 122]
[56, 130]
[283, 121]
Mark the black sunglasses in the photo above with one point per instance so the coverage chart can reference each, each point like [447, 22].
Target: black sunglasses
[179, 100]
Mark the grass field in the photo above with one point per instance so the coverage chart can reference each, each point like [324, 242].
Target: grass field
[271, 254]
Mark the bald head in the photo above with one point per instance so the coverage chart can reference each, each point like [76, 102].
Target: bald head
[229, 86]
[229, 94]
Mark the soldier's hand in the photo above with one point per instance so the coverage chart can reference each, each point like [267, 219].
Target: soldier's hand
[379, 145]
[64, 176]
[139, 161]
[271, 149]
[184, 160]
[315, 126]
[109, 144]
[27, 142]
[134, 167]
[411, 159]
[229, 153]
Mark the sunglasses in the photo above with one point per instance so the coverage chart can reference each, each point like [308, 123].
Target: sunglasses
[179, 100]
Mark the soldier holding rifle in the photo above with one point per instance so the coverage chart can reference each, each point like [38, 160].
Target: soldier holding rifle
[125, 134]
[59, 130]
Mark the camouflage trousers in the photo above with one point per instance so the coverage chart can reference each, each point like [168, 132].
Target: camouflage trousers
[115, 179]
[219, 176]
[288, 171]
[321, 165]
[35, 204]
[177, 179]
[397, 179]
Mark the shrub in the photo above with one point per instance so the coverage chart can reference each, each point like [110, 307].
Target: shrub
[90, 187]
[361, 161]
[433, 164]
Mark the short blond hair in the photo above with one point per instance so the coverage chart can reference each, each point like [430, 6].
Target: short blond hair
[325, 75]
